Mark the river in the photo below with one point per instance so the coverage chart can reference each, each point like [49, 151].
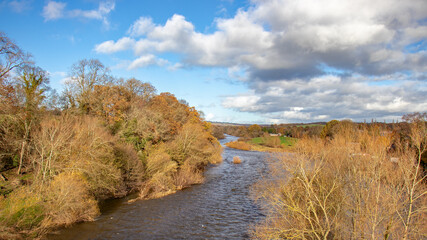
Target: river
[220, 208]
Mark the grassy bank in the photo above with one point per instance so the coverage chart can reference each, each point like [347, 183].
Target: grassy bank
[265, 144]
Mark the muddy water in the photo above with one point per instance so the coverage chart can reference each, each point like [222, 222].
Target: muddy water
[220, 208]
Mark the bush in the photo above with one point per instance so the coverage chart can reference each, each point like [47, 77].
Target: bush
[187, 176]
[81, 144]
[160, 171]
[195, 145]
[239, 145]
[237, 160]
[271, 141]
[68, 201]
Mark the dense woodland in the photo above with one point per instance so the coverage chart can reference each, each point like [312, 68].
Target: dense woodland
[102, 137]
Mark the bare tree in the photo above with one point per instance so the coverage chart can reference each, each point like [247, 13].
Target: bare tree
[414, 178]
[11, 56]
[84, 76]
[139, 89]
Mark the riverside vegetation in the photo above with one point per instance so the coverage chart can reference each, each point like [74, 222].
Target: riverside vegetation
[103, 137]
[355, 181]
[275, 138]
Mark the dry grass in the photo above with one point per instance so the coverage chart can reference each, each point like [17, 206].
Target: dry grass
[239, 145]
[237, 160]
[261, 148]
[345, 188]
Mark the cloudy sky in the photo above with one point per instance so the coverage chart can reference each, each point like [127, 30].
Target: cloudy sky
[248, 61]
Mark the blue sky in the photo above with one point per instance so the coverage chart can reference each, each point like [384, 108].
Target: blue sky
[248, 61]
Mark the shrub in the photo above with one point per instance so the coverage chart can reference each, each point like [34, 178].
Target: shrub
[195, 145]
[187, 176]
[271, 141]
[239, 145]
[237, 160]
[68, 201]
[160, 170]
[81, 144]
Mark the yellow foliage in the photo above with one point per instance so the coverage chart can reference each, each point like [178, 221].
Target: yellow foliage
[81, 145]
[187, 176]
[196, 145]
[239, 145]
[160, 170]
[68, 201]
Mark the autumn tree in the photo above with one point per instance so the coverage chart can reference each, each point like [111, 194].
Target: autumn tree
[138, 89]
[84, 76]
[111, 102]
[32, 84]
[327, 130]
[254, 130]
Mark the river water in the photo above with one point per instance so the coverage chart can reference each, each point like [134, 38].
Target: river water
[220, 208]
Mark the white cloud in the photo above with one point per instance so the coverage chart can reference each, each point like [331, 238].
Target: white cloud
[244, 102]
[112, 47]
[331, 97]
[141, 27]
[20, 6]
[296, 115]
[280, 49]
[392, 105]
[56, 10]
[209, 116]
[145, 61]
[53, 10]
[175, 67]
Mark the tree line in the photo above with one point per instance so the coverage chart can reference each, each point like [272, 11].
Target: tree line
[102, 137]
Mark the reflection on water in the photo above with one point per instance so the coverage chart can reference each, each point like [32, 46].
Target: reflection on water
[221, 208]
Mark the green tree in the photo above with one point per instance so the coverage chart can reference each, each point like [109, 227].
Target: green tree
[255, 130]
[32, 84]
[327, 130]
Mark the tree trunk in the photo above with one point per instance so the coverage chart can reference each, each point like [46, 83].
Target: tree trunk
[22, 156]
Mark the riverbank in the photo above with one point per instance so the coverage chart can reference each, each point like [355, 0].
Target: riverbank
[220, 208]
[72, 161]
[265, 144]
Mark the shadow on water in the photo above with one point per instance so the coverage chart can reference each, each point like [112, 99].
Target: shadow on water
[220, 208]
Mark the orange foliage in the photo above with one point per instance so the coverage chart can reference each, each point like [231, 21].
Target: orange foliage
[112, 102]
[239, 145]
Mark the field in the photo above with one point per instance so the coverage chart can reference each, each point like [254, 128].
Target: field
[287, 141]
